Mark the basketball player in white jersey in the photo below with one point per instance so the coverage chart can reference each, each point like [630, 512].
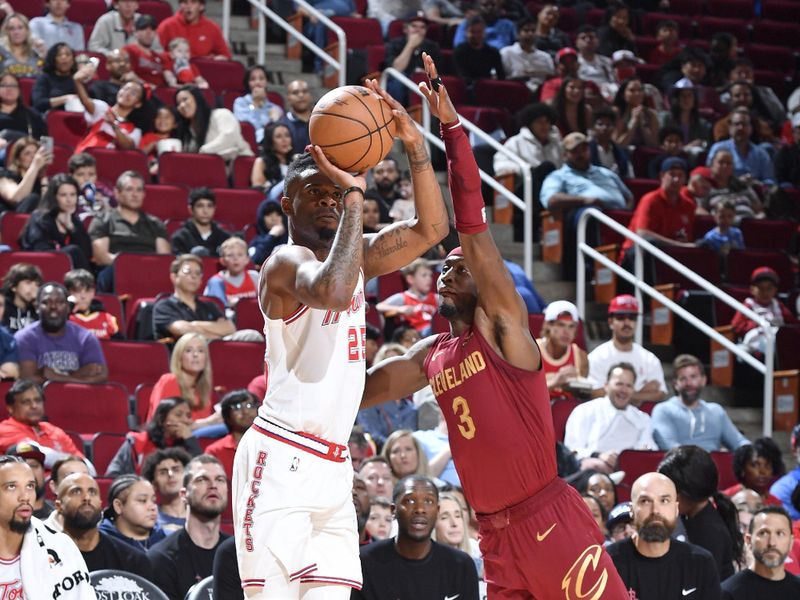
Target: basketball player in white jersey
[296, 533]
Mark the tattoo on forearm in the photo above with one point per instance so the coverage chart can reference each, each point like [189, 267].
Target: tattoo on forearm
[389, 245]
[346, 256]
[418, 158]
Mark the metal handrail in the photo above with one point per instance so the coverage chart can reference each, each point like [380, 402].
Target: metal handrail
[265, 11]
[636, 279]
[524, 203]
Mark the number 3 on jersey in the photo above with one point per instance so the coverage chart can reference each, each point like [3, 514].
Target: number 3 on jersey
[357, 344]
[466, 425]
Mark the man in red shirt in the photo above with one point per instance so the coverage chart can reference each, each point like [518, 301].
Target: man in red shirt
[25, 404]
[147, 61]
[664, 216]
[205, 36]
[239, 408]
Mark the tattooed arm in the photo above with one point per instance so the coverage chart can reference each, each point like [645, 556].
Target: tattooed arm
[400, 243]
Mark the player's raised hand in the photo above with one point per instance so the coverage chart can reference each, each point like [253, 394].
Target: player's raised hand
[341, 178]
[441, 106]
[406, 128]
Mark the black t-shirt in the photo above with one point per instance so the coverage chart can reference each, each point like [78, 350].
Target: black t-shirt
[685, 572]
[169, 310]
[747, 585]
[178, 564]
[114, 554]
[707, 530]
[444, 573]
[227, 583]
[188, 237]
[396, 45]
[477, 63]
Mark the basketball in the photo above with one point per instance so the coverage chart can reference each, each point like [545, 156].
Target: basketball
[353, 126]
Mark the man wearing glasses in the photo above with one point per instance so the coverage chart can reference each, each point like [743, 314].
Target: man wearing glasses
[649, 386]
[239, 409]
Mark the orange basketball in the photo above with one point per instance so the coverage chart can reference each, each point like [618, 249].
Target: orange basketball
[353, 126]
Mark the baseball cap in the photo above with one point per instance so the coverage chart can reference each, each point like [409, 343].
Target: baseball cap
[573, 140]
[415, 18]
[622, 55]
[558, 308]
[624, 304]
[674, 162]
[703, 172]
[684, 83]
[27, 450]
[145, 21]
[796, 119]
[566, 52]
[762, 273]
[621, 513]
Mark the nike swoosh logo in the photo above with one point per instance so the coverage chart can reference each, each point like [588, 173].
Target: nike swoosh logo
[451, 597]
[687, 592]
[540, 536]
[435, 355]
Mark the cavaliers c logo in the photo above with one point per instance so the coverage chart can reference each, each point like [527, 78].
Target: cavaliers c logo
[573, 584]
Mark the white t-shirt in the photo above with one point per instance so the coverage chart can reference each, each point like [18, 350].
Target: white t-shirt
[10, 579]
[647, 365]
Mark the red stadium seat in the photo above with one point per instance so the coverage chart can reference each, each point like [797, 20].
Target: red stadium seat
[242, 169]
[112, 305]
[156, 8]
[29, 8]
[726, 8]
[640, 186]
[66, 128]
[167, 96]
[142, 275]
[723, 314]
[88, 407]
[248, 314]
[5, 385]
[724, 462]
[390, 283]
[86, 12]
[702, 225]
[512, 96]
[104, 447]
[221, 74]
[768, 234]
[788, 342]
[237, 206]
[635, 463]
[61, 156]
[776, 33]
[133, 363]
[249, 135]
[11, 224]
[53, 265]
[742, 263]
[708, 26]
[192, 170]
[166, 201]
[641, 158]
[26, 89]
[702, 261]
[561, 410]
[777, 10]
[111, 162]
[235, 363]
[771, 58]
[608, 235]
[360, 32]
[141, 399]
[489, 119]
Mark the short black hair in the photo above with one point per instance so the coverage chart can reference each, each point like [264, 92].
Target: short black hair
[54, 477]
[475, 20]
[409, 482]
[78, 161]
[691, 53]
[50, 284]
[770, 510]
[764, 448]
[525, 20]
[151, 462]
[667, 24]
[296, 168]
[531, 112]
[6, 459]
[79, 279]
[21, 386]
[373, 333]
[202, 193]
[586, 28]
[604, 112]
[743, 62]
[234, 397]
[668, 130]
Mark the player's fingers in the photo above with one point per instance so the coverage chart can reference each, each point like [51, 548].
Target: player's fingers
[319, 157]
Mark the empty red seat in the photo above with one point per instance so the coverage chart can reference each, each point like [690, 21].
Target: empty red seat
[53, 265]
[776, 33]
[724, 462]
[727, 8]
[66, 128]
[360, 33]
[249, 135]
[610, 236]
[771, 58]
[29, 8]
[11, 224]
[742, 263]
[142, 275]
[103, 447]
[641, 158]
[88, 407]
[702, 225]
[156, 8]
[235, 363]
[192, 170]
[242, 169]
[26, 89]
[768, 234]
[788, 341]
[561, 410]
[113, 306]
[141, 401]
[133, 363]
[166, 201]
[221, 74]
[702, 261]
[86, 12]
[512, 96]
[237, 206]
[61, 156]
[390, 283]
[248, 314]
[776, 10]
[112, 162]
[708, 26]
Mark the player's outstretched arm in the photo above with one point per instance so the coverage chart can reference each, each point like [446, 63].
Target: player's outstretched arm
[400, 243]
[399, 376]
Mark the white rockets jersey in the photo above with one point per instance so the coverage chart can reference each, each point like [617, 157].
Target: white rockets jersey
[315, 366]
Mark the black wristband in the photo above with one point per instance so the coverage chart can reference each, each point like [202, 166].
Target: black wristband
[354, 188]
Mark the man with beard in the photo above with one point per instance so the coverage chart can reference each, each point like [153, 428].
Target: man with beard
[164, 468]
[63, 468]
[186, 557]
[685, 419]
[412, 565]
[362, 505]
[54, 348]
[385, 176]
[33, 455]
[769, 537]
[653, 566]
[80, 506]
[649, 386]
[37, 562]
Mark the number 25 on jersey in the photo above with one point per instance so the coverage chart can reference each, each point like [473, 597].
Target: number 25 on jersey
[357, 344]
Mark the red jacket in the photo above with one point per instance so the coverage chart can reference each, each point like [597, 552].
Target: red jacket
[48, 435]
[205, 36]
[742, 324]
[224, 449]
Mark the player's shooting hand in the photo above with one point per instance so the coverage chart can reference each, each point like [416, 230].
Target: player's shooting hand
[441, 106]
[406, 128]
[341, 178]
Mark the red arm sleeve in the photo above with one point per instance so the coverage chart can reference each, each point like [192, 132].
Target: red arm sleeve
[741, 324]
[464, 180]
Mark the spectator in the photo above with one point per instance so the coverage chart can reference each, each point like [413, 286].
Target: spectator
[186, 557]
[684, 113]
[148, 60]
[787, 160]
[96, 196]
[205, 36]
[623, 311]
[361, 502]
[32, 454]
[692, 64]
[451, 528]
[620, 522]
[436, 446]
[710, 519]
[686, 419]
[16, 118]
[371, 219]
[170, 426]
[769, 537]
[416, 305]
[412, 565]
[650, 562]
[566, 62]
[207, 131]
[523, 61]
[236, 281]
[548, 36]
[164, 124]
[741, 95]
[255, 107]
[381, 518]
[405, 455]
[698, 188]
[200, 234]
[61, 469]
[670, 142]
[22, 182]
[722, 51]
[616, 33]
[387, 11]
[271, 166]
[19, 54]
[20, 288]
[358, 445]
[164, 468]
[131, 513]
[377, 474]
[9, 355]
[604, 151]
[118, 65]
[756, 466]
[190, 378]
[638, 124]
[55, 226]
[443, 12]
[563, 362]
[593, 66]
[54, 27]
[270, 231]
[299, 99]
[25, 405]
[727, 187]
[385, 189]
[724, 236]
[669, 46]
[572, 113]
[748, 159]
[763, 289]
[35, 573]
[80, 506]
[180, 71]
[56, 85]
[405, 336]
[115, 29]
[498, 33]
[475, 59]
[125, 229]
[598, 514]
[782, 489]
[404, 53]
[55, 349]
[87, 311]
[239, 408]
[764, 96]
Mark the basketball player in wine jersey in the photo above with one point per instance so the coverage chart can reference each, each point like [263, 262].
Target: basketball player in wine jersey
[296, 531]
[538, 539]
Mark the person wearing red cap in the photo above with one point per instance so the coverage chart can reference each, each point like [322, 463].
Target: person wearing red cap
[566, 66]
[649, 386]
[763, 289]
[563, 361]
[538, 538]
[698, 188]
